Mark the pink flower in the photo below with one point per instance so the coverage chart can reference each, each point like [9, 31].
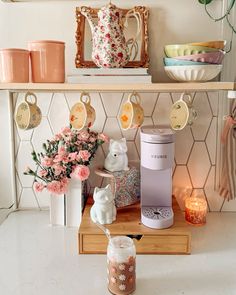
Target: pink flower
[58, 158]
[92, 139]
[83, 136]
[120, 54]
[66, 131]
[58, 169]
[57, 187]
[61, 150]
[47, 162]
[81, 172]
[103, 137]
[62, 155]
[72, 156]
[38, 187]
[84, 155]
[58, 137]
[43, 173]
[65, 181]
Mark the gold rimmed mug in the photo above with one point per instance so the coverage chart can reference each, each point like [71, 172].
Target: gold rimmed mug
[82, 113]
[132, 114]
[182, 112]
[28, 114]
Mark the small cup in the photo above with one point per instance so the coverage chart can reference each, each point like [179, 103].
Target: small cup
[28, 114]
[82, 113]
[132, 114]
[182, 113]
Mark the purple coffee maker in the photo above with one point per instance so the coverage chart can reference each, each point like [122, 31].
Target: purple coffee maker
[157, 158]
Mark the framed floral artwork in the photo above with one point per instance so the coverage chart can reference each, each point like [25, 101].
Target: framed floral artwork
[84, 37]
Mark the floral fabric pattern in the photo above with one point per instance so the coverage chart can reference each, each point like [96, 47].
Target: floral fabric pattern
[127, 187]
[109, 45]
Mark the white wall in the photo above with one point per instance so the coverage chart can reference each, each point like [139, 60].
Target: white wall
[171, 22]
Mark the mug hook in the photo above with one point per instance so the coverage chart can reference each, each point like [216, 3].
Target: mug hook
[28, 93]
[88, 98]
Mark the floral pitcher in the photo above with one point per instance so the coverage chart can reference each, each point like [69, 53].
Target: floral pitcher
[110, 49]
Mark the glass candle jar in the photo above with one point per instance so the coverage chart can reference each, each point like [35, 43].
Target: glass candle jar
[121, 262]
[195, 210]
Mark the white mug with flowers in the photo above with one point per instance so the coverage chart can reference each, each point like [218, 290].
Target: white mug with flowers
[67, 155]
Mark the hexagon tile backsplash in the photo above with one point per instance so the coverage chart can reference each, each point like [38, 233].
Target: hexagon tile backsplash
[195, 151]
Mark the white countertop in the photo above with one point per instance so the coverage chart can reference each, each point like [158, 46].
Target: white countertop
[38, 259]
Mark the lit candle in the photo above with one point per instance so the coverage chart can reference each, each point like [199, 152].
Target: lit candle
[195, 210]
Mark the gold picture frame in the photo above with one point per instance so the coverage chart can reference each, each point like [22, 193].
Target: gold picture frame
[82, 62]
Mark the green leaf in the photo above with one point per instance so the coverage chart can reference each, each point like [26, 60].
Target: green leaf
[205, 1]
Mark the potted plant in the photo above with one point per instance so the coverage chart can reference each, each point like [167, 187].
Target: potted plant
[224, 16]
[65, 157]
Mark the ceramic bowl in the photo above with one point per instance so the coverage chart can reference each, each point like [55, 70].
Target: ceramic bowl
[213, 44]
[193, 73]
[185, 49]
[210, 57]
[181, 62]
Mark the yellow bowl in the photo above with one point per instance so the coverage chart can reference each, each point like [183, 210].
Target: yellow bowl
[185, 49]
[212, 44]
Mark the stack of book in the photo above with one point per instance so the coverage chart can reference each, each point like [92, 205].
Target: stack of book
[113, 75]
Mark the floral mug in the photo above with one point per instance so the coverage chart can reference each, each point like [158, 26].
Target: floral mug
[132, 114]
[182, 112]
[28, 114]
[82, 113]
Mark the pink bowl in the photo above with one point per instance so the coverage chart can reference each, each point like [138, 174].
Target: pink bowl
[211, 57]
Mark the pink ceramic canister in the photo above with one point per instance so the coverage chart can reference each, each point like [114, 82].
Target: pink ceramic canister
[47, 61]
[14, 65]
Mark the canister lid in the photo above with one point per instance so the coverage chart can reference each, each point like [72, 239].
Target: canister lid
[157, 134]
[47, 41]
[18, 50]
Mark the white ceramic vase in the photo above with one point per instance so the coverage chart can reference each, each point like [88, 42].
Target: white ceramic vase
[66, 209]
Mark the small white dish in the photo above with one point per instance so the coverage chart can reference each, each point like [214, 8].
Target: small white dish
[193, 73]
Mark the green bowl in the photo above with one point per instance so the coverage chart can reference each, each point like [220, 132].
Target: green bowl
[178, 62]
[185, 49]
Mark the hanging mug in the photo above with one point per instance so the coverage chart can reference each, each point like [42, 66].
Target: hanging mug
[182, 112]
[132, 115]
[82, 113]
[28, 114]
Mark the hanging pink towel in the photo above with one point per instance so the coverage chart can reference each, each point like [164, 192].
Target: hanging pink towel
[227, 187]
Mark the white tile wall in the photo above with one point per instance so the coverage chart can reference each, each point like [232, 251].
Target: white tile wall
[183, 145]
[204, 116]
[199, 164]
[195, 150]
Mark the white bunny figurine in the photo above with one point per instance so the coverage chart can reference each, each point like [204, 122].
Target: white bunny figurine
[103, 210]
[117, 159]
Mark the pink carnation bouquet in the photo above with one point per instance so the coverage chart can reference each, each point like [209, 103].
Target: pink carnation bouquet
[66, 156]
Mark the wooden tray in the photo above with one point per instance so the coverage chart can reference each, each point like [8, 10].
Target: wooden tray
[174, 240]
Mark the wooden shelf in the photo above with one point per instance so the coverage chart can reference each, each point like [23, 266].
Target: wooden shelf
[154, 87]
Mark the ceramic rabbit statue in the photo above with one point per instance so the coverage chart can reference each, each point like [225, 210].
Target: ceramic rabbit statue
[117, 159]
[110, 49]
[103, 210]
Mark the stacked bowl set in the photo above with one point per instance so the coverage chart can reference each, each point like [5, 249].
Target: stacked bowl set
[194, 62]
